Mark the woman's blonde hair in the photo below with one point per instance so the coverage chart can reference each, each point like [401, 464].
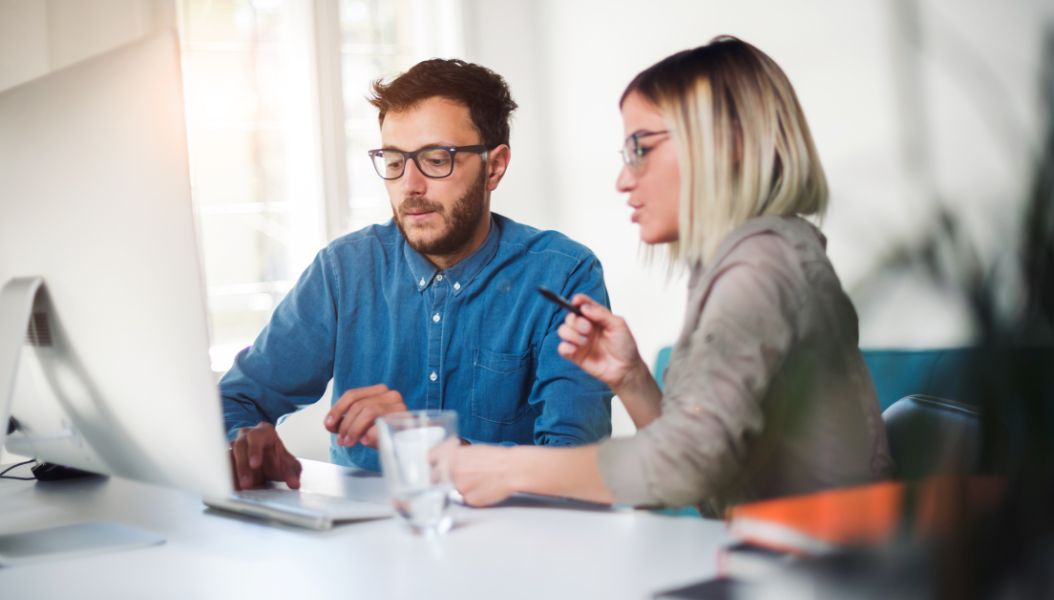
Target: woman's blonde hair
[743, 145]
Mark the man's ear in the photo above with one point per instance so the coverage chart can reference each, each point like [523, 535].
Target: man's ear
[497, 163]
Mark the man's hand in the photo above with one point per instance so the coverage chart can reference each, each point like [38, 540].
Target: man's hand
[258, 456]
[352, 417]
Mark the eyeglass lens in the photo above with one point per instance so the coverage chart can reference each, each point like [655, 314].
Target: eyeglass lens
[433, 162]
[632, 152]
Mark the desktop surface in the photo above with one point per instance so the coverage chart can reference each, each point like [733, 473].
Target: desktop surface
[510, 552]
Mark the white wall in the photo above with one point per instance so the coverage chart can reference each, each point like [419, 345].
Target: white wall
[39, 36]
[852, 64]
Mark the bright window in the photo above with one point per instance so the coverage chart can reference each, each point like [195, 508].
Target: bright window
[278, 131]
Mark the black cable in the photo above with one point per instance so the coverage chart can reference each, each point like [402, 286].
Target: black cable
[4, 475]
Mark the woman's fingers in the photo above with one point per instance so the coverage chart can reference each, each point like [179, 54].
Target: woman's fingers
[582, 300]
[582, 325]
[593, 310]
[566, 349]
[572, 335]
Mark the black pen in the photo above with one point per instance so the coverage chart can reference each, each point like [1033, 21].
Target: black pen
[560, 300]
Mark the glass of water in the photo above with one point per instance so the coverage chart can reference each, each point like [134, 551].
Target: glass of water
[416, 467]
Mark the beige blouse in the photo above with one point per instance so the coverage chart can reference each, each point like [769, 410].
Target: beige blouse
[766, 392]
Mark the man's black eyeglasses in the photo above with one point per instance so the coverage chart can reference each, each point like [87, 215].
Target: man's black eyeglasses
[434, 162]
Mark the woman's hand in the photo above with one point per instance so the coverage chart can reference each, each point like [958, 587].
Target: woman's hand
[600, 343]
[486, 475]
[483, 475]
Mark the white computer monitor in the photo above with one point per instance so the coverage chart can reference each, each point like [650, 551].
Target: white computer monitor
[95, 204]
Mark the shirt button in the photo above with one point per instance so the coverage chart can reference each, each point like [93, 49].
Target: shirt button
[433, 376]
[435, 318]
[422, 282]
[457, 286]
[439, 277]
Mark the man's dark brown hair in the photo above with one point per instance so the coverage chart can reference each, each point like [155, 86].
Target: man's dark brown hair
[483, 91]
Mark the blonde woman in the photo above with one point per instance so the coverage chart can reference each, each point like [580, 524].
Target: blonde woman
[766, 392]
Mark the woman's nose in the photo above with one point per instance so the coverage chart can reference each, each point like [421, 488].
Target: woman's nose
[626, 180]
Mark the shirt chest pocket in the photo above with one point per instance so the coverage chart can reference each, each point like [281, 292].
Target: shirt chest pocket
[501, 383]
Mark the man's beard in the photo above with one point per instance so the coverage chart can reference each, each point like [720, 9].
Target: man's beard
[461, 222]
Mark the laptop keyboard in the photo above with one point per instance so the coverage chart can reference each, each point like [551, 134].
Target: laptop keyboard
[298, 500]
[304, 509]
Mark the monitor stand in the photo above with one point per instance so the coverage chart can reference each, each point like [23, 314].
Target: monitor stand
[16, 316]
[17, 299]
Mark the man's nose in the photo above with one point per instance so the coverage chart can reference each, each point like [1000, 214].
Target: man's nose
[413, 181]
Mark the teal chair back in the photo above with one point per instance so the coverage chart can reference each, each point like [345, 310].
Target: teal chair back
[943, 372]
[933, 372]
[896, 373]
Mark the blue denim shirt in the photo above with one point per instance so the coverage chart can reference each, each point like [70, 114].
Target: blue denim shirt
[476, 338]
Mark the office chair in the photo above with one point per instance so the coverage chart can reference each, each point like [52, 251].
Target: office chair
[930, 435]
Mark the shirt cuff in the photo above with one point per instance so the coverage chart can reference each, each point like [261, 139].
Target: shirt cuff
[623, 471]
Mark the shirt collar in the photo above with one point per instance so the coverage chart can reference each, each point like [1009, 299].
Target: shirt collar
[461, 274]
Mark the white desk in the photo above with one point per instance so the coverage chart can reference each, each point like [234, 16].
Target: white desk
[508, 552]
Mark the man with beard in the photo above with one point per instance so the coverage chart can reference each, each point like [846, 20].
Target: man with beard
[436, 309]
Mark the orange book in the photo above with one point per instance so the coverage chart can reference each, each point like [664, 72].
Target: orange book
[864, 515]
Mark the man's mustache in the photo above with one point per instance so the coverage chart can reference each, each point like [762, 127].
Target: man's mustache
[419, 204]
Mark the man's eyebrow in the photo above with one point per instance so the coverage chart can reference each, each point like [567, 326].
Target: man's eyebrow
[422, 147]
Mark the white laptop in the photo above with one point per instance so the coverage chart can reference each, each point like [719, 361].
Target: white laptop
[328, 494]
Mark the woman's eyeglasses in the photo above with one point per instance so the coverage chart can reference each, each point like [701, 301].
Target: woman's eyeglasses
[632, 152]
